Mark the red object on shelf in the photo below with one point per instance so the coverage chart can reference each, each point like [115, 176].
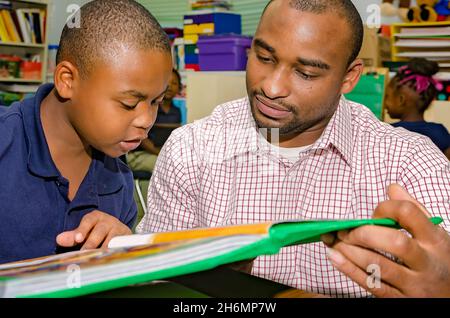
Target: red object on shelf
[194, 67]
[31, 70]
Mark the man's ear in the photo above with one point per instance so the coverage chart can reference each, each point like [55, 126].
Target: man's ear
[66, 74]
[352, 77]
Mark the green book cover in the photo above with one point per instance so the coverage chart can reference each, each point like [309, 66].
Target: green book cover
[143, 258]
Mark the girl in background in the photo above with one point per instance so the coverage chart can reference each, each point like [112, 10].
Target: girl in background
[408, 96]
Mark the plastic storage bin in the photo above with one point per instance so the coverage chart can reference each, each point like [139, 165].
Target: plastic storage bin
[223, 52]
[223, 22]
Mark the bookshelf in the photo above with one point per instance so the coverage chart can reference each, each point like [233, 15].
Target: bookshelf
[430, 40]
[31, 50]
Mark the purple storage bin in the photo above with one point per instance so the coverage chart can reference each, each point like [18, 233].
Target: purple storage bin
[223, 52]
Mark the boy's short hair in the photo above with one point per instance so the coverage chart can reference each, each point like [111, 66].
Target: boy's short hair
[105, 26]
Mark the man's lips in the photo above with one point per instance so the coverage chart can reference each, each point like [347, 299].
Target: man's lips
[270, 109]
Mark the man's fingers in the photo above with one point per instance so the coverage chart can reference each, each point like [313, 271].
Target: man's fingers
[388, 240]
[370, 283]
[396, 192]
[410, 217]
[385, 269]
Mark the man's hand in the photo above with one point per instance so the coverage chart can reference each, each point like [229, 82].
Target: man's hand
[96, 229]
[424, 267]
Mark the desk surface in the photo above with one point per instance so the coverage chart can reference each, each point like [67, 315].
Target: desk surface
[221, 282]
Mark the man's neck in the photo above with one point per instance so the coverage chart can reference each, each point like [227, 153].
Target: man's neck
[305, 138]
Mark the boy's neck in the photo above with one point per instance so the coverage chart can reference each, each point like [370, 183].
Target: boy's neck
[62, 139]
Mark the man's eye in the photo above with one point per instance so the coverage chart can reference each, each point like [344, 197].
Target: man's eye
[304, 75]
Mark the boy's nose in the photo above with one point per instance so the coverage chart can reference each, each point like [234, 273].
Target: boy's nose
[146, 115]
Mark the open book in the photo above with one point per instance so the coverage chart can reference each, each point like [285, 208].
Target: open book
[143, 258]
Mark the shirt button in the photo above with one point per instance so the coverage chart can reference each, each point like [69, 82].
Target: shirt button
[58, 183]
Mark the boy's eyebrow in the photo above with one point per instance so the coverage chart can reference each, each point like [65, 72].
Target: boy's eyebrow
[134, 93]
[264, 45]
[142, 96]
[313, 63]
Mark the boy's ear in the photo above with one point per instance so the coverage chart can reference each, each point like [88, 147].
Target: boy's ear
[352, 77]
[65, 75]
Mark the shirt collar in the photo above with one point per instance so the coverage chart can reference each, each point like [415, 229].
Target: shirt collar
[40, 162]
[337, 134]
[39, 159]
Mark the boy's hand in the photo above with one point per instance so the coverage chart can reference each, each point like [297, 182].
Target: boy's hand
[95, 229]
[424, 267]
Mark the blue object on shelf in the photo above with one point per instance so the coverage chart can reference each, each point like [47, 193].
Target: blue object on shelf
[180, 103]
[191, 58]
[224, 22]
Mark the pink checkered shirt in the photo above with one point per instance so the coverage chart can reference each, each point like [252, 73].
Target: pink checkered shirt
[219, 171]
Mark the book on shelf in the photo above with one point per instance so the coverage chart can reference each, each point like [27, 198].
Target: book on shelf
[138, 259]
[424, 43]
[431, 55]
[4, 35]
[23, 25]
[10, 26]
[426, 31]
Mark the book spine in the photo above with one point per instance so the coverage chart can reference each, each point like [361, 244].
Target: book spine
[37, 26]
[23, 26]
[10, 26]
[4, 37]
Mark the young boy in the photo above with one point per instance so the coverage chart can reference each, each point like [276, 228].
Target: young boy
[62, 184]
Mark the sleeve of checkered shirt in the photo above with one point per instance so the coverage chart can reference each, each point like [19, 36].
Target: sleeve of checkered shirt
[425, 173]
[173, 186]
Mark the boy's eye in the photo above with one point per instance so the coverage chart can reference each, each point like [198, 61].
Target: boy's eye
[264, 59]
[129, 106]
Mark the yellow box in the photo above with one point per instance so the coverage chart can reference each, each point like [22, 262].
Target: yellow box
[191, 29]
[206, 28]
[190, 38]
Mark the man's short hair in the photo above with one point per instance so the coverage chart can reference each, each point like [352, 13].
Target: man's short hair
[343, 8]
[106, 26]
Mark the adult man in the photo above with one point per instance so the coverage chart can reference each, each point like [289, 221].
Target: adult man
[334, 160]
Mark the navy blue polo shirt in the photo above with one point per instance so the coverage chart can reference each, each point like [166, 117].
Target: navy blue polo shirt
[34, 204]
[159, 135]
[436, 132]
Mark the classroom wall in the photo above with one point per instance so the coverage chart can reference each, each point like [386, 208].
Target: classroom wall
[169, 13]
[58, 13]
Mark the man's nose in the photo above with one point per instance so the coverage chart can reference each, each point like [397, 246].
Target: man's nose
[276, 84]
